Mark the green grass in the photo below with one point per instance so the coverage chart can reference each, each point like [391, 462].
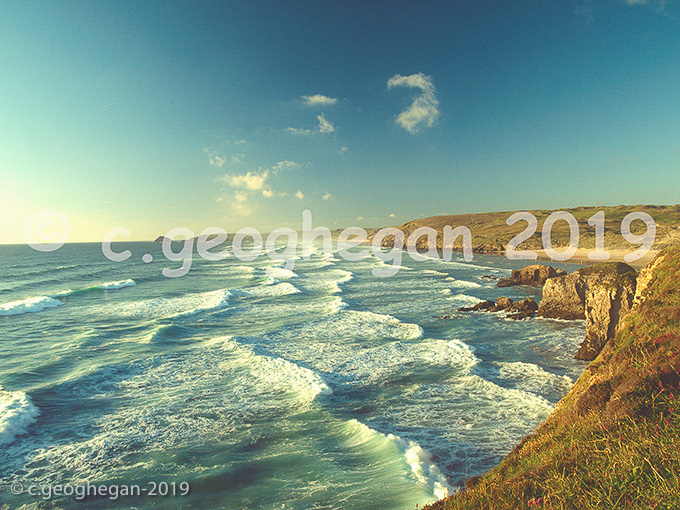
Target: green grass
[614, 440]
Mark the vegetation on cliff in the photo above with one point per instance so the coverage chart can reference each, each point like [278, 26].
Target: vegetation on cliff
[614, 440]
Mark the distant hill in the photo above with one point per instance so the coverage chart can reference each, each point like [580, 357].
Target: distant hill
[491, 233]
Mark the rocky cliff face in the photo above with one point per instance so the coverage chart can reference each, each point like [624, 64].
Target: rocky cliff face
[535, 275]
[600, 294]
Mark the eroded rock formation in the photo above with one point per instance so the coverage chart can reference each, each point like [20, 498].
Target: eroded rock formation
[601, 294]
[535, 275]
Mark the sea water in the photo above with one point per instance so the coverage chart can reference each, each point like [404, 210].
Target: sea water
[262, 386]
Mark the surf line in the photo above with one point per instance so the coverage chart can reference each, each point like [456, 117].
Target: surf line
[348, 239]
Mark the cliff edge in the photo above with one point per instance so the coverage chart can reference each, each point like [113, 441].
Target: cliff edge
[613, 441]
[600, 294]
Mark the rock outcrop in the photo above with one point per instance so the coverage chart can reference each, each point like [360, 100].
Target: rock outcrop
[600, 294]
[534, 275]
[521, 309]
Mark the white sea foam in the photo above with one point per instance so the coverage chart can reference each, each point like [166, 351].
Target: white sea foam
[30, 305]
[378, 364]
[464, 299]
[275, 290]
[184, 306]
[419, 461]
[273, 372]
[346, 326]
[423, 468]
[116, 285]
[328, 280]
[432, 271]
[210, 301]
[17, 412]
[280, 273]
[531, 377]
[462, 284]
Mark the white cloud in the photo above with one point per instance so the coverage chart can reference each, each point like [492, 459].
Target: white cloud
[342, 150]
[285, 165]
[319, 99]
[299, 194]
[392, 215]
[270, 193]
[359, 218]
[425, 108]
[250, 181]
[249, 184]
[299, 131]
[240, 204]
[327, 196]
[217, 161]
[324, 127]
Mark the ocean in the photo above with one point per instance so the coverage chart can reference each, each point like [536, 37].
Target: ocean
[254, 385]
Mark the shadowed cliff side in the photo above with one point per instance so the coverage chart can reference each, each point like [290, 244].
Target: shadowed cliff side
[600, 294]
[614, 440]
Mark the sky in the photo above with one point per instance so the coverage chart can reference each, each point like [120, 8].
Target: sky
[157, 115]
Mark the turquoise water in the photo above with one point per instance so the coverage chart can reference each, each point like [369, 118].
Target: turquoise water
[264, 387]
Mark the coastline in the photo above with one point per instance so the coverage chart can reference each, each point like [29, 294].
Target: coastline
[614, 438]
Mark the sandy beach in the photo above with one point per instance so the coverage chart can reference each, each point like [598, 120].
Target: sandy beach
[581, 257]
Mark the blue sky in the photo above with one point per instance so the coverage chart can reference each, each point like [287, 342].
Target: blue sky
[155, 115]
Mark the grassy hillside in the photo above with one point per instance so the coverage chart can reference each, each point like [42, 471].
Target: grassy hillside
[614, 440]
[490, 233]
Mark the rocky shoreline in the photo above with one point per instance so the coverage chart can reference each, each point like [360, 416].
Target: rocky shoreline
[600, 294]
[615, 436]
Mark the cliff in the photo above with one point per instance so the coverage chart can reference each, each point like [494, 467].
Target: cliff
[614, 440]
[600, 294]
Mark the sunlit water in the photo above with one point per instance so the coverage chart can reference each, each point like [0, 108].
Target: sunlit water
[261, 387]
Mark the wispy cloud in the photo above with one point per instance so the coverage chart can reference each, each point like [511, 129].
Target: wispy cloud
[327, 196]
[324, 127]
[285, 165]
[250, 181]
[219, 156]
[319, 99]
[299, 194]
[217, 161]
[659, 4]
[251, 184]
[424, 111]
[240, 204]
